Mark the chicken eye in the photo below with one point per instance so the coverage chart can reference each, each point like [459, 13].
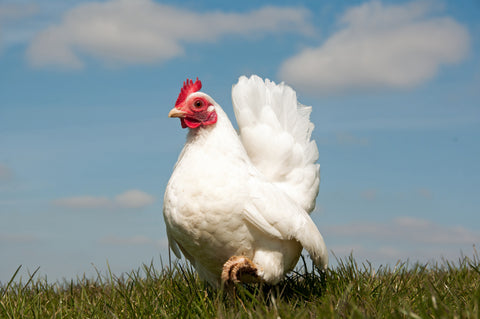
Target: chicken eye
[198, 103]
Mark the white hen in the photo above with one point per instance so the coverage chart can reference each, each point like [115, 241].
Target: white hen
[237, 205]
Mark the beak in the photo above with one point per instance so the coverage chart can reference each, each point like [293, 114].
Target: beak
[176, 113]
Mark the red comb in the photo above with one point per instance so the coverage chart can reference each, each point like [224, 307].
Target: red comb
[188, 88]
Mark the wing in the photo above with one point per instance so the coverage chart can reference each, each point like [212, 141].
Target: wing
[279, 217]
[275, 130]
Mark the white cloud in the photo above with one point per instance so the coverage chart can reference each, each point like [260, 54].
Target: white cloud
[14, 14]
[380, 46]
[16, 11]
[22, 238]
[134, 199]
[408, 230]
[381, 255]
[83, 202]
[143, 31]
[131, 199]
[369, 194]
[425, 193]
[402, 239]
[345, 138]
[133, 240]
[5, 172]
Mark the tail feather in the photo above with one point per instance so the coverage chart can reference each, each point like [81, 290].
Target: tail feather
[276, 132]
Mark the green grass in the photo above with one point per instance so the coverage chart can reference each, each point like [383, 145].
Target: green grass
[446, 290]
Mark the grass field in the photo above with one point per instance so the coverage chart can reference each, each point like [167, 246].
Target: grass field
[446, 290]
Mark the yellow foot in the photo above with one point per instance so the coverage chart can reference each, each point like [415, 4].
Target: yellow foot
[240, 269]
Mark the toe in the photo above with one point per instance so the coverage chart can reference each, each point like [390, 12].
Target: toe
[240, 269]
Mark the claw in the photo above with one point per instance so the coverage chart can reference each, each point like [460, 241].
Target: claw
[240, 269]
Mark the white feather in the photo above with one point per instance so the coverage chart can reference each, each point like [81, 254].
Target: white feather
[275, 130]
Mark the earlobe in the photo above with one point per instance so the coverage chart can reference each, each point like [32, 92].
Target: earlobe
[212, 118]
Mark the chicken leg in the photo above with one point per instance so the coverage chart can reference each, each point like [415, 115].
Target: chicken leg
[240, 269]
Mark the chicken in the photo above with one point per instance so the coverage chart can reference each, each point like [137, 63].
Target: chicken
[237, 204]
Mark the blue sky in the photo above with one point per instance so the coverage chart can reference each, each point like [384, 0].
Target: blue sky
[86, 147]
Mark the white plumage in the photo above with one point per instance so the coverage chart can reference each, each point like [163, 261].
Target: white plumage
[246, 195]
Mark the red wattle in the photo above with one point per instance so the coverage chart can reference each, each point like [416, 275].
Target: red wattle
[182, 121]
[191, 124]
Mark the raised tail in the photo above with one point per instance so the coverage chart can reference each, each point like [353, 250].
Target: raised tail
[275, 130]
